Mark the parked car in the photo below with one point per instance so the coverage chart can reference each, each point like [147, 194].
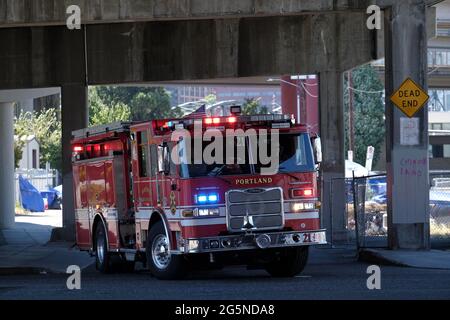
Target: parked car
[52, 200]
[380, 199]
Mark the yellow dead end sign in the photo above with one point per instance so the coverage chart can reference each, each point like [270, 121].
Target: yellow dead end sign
[409, 98]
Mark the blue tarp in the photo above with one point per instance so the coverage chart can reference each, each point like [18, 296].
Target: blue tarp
[30, 196]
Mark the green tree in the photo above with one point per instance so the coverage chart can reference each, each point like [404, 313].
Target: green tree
[252, 106]
[20, 133]
[100, 113]
[18, 147]
[143, 103]
[368, 108]
[153, 105]
[210, 99]
[46, 127]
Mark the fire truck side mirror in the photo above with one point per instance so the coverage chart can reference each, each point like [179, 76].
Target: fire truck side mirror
[317, 146]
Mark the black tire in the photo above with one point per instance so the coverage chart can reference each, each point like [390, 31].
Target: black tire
[102, 256]
[289, 262]
[164, 266]
[109, 262]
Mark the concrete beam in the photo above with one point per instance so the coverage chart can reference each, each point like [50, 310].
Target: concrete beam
[15, 13]
[157, 51]
[184, 50]
[407, 165]
[304, 45]
[41, 57]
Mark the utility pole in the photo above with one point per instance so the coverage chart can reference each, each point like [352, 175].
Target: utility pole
[351, 128]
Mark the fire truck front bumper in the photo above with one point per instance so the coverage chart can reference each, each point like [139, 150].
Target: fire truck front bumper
[252, 241]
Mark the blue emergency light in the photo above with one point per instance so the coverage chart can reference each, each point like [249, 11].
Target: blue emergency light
[206, 198]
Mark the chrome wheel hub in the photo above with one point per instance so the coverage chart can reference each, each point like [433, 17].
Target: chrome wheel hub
[160, 251]
[101, 249]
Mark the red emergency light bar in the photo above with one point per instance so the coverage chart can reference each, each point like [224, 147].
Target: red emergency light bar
[217, 120]
[278, 121]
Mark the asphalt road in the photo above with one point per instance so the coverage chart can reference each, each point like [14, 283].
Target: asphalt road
[330, 274]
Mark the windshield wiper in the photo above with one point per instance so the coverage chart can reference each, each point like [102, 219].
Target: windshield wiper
[216, 171]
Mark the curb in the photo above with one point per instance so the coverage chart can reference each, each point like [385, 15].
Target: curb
[11, 271]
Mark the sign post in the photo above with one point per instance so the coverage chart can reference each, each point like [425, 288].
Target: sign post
[369, 158]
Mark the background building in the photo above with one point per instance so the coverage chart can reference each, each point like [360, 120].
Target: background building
[439, 90]
[30, 154]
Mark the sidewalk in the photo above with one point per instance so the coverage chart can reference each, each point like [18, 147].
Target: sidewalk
[25, 249]
[432, 259]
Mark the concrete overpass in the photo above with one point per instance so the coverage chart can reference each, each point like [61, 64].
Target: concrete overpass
[145, 41]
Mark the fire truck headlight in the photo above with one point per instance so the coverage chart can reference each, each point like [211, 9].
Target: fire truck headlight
[207, 212]
[302, 206]
[308, 205]
[214, 212]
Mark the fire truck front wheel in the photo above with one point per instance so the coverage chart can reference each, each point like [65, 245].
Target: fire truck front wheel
[160, 262]
[288, 262]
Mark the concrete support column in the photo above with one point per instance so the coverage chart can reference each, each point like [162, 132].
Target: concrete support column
[407, 165]
[333, 167]
[74, 102]
[7, 183]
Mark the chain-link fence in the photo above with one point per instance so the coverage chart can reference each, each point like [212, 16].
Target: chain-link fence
[440, 207]
[366, 210]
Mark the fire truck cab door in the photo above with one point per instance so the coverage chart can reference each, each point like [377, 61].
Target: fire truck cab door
[167, 181]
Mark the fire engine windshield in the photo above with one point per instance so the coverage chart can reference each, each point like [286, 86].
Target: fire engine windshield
[239, 156]
[295, 153]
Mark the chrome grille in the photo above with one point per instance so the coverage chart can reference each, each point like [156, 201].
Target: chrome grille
[254, 209]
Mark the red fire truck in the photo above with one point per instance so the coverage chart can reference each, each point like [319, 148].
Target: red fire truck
[133, 202]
